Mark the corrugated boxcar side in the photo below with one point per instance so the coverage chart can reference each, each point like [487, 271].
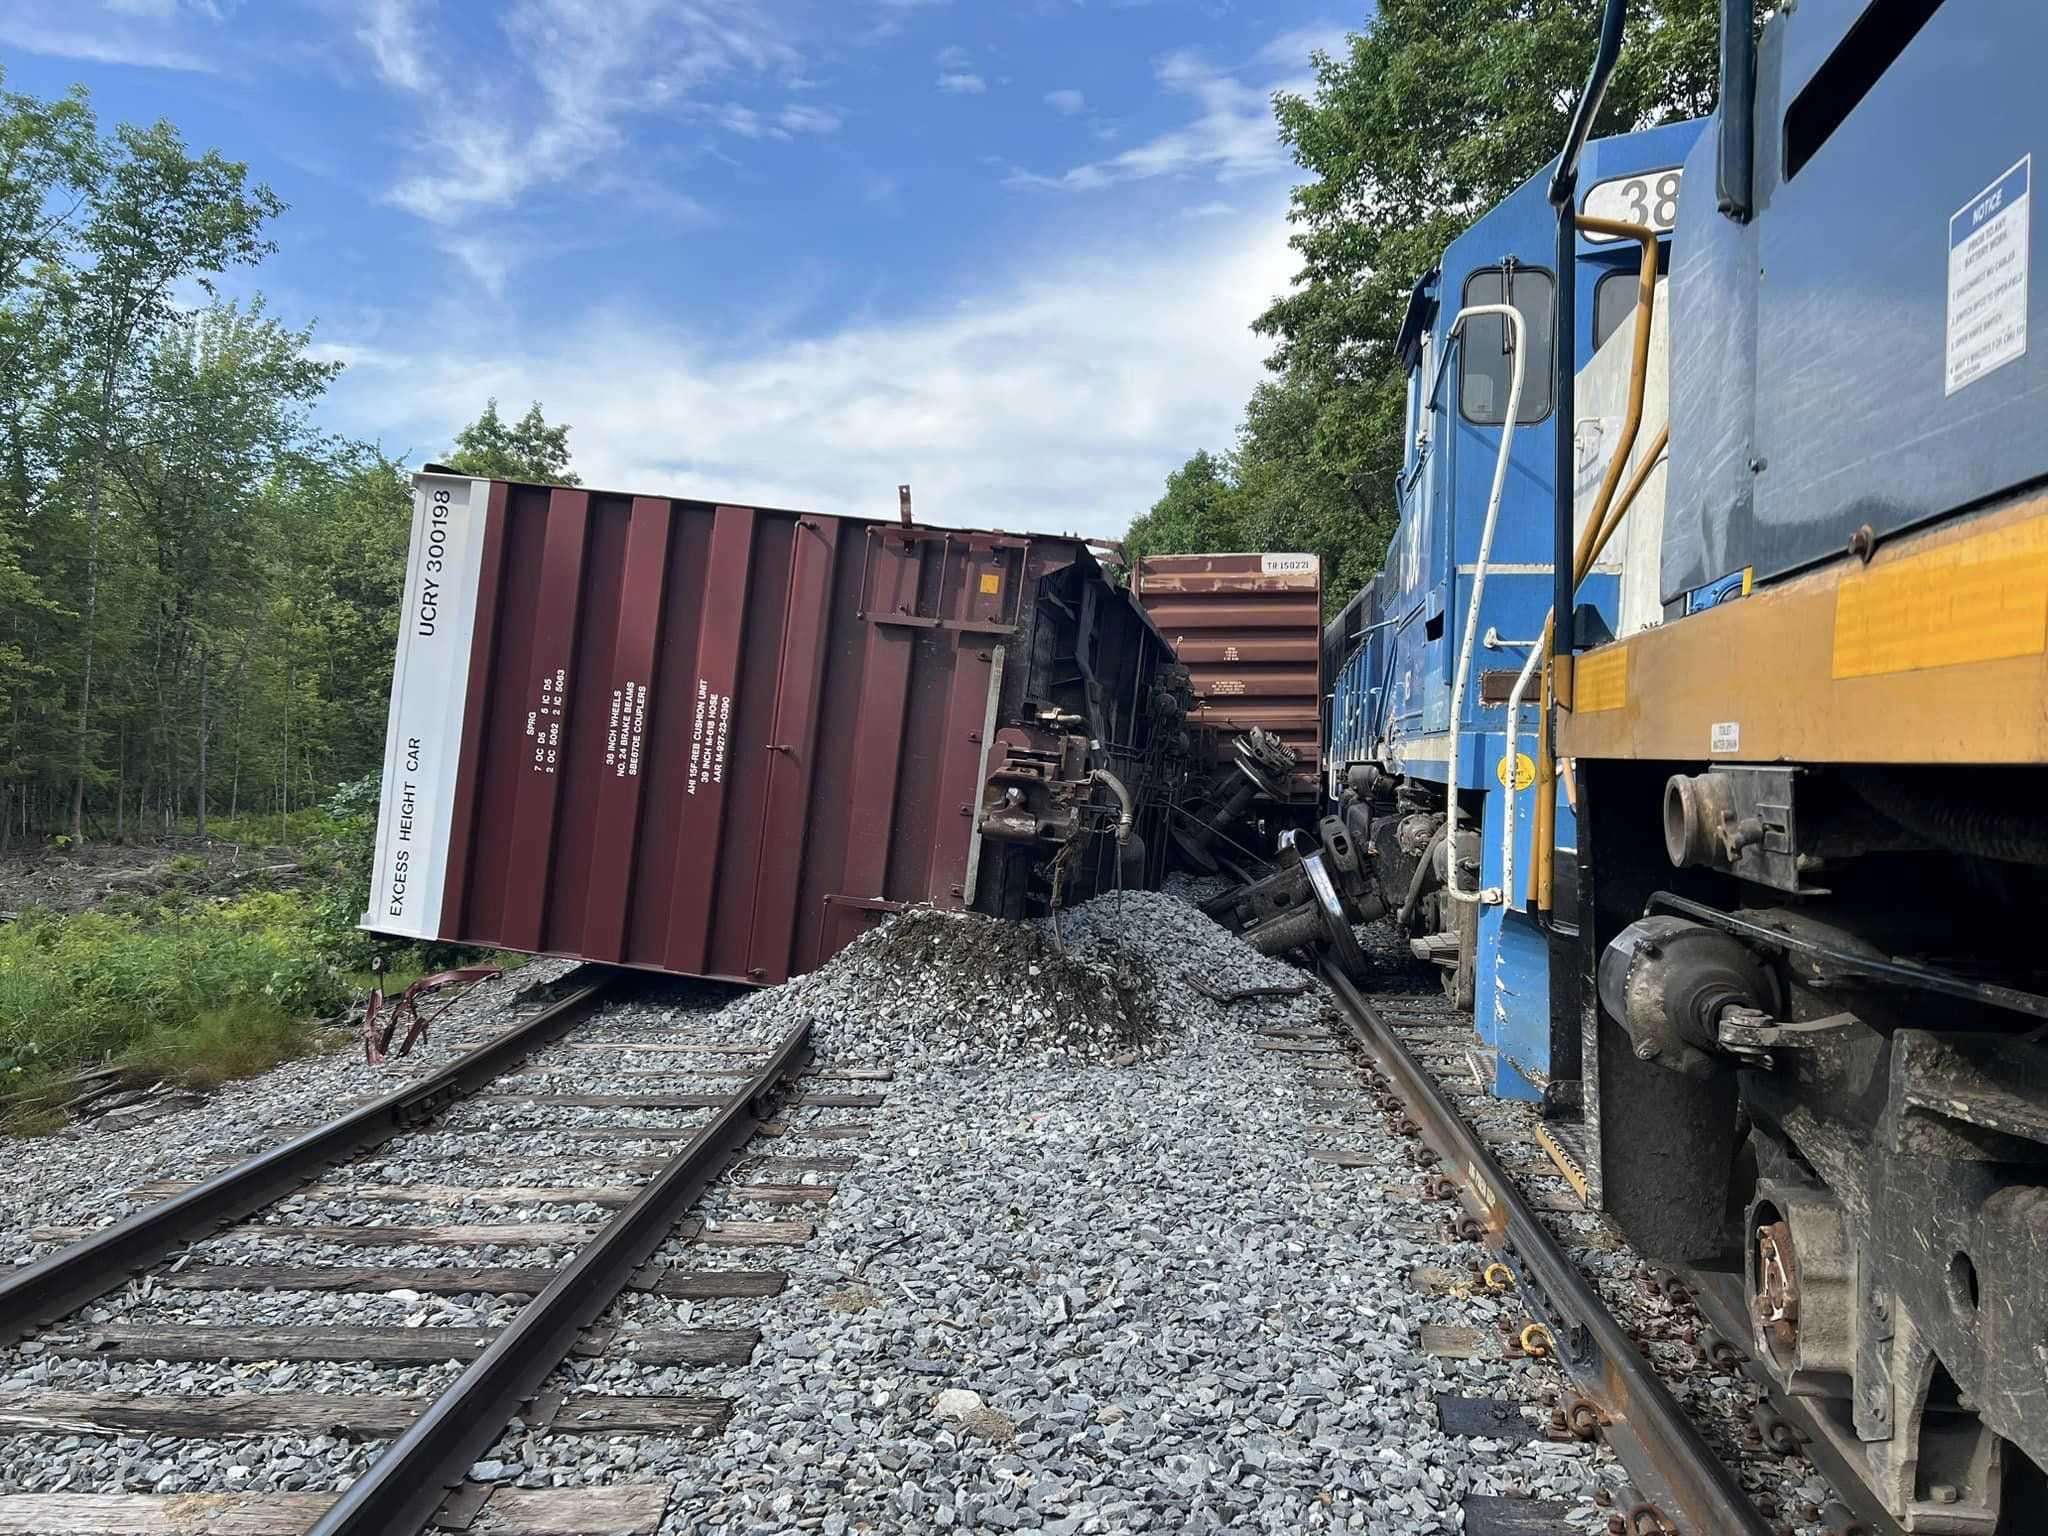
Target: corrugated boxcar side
[717, 740]
[1249, 630]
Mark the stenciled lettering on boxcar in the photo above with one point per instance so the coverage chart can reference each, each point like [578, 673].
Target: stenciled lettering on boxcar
[709, 734]
[626, 730]
[544, 722]
[426, 616]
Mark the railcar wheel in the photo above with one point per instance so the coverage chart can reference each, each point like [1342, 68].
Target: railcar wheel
[1339, 939]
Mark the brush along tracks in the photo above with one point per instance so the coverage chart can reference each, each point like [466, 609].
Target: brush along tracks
[1642, 1375]
[479, 1269]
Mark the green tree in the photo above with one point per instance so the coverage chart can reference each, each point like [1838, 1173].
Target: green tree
[1434, 112]
[527, 449]
[48, 161]
[48, 156]
[1429, 115]
[158, 216]
[222, 408]
[1198, 515]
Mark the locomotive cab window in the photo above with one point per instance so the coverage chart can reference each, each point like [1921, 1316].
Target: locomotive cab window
[1614, 297]
[1486, 361]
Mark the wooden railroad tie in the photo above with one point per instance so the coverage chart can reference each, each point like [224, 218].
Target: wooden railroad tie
[356, 1416]
[505, 1194]
[678, 1346]
[521, 1234]
[623, 1509]
[515, 1280]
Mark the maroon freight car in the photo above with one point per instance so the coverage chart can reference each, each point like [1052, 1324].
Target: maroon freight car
[722, 740]
[1249, 630]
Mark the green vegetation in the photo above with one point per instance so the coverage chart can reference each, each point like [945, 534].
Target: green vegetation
[1434, 111]
[199, 598]
[527, 449]
[185, 985]
[199, 591]
[200, 995]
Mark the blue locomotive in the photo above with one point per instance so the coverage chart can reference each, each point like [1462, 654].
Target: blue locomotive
[1704, 745]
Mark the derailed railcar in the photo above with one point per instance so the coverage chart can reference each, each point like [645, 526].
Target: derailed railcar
[722, 740]
[1247, 628]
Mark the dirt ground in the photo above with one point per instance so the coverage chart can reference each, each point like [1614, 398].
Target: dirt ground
[105, 873]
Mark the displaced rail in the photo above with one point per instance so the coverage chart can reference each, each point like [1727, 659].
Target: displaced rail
[44, 1291]
[1687, 1488]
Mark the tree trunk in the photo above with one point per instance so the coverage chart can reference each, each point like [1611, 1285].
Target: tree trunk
[284, 775]
[199, 798]
[95, 498]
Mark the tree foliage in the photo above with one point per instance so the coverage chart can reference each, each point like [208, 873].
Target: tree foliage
[527, 449]
[198, 590]
[1430, 114]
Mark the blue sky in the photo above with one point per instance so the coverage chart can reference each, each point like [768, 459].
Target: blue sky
[789, 252]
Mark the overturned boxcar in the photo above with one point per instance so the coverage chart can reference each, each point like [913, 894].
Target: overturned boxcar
[722, 740]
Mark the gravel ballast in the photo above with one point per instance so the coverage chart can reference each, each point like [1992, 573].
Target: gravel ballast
[1084, 1277]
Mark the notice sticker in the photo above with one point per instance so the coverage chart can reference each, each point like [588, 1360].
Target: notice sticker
[1725, 736]
[1987, 278]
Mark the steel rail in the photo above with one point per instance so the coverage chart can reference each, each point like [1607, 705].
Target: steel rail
[42, 1292]
[406, 1485]
[1664, 1452]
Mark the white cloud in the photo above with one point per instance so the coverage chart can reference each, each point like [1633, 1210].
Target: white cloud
[1215, 210]
[806, 119]
[1056, 398]
[101, 43]
[484, 257]
[391, 31]
[962, 84]
[1066, 103]
[579, 69]
[164, 10]
[1290, 50]
[953, 58]
[1230, 138]
[744, 121]
[785, 124]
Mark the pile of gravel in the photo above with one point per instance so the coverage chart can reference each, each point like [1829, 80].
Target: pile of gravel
[1107, 985]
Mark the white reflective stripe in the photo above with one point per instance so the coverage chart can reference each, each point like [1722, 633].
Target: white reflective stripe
[429, 693]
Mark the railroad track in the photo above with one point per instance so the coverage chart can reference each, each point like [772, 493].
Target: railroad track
[1512, 1178]
[680, 1126]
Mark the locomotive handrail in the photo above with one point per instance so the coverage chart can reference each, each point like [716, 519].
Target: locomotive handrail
[1606, 531]
[1568, 577]
[1512, 318]
[1564, 181]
